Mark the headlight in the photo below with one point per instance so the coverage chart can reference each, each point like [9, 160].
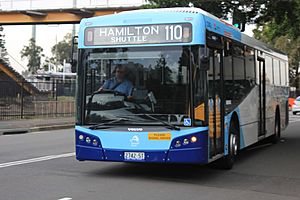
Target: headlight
[88, 140]
[95, 142]
[193, 139]
[185, 141]
[178, 143]
[81, 137]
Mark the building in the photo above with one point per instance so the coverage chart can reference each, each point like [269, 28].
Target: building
[13, 84]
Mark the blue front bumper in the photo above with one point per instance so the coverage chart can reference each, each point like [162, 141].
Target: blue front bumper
[196, 153]
[192, 155]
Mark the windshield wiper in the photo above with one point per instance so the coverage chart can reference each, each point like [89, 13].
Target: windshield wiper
[104, 124]
[173, 127]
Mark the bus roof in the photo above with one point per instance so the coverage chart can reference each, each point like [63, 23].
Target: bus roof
[200, 19]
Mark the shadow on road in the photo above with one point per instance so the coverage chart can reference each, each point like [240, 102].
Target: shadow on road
[255, 163]
[176, 172]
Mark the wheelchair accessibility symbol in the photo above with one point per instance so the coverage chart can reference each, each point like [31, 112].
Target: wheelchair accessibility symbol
[187, 122]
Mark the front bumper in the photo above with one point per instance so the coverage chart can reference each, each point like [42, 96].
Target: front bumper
[191, 155]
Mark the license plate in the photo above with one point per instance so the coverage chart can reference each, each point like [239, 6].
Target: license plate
[138, 156]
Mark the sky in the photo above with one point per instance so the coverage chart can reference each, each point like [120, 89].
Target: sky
[46, 37]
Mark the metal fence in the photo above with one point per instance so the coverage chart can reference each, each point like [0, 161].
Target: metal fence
[37, 99]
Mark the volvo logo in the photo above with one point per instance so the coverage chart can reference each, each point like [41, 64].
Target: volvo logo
[135, 140]
[135, 129]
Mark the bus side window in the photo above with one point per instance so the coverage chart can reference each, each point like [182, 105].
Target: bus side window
[239, 74]
[250, 66]
[269, 70]
[276, 71]
[282, 73]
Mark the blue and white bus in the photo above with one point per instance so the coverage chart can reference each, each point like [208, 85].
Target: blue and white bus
[194, 88]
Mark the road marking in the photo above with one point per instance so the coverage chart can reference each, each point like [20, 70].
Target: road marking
[34, 160]
[65, 198]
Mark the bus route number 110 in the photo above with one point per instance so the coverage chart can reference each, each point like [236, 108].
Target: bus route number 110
[174, 32]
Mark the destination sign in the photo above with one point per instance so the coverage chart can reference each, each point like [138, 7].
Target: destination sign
[138, 34]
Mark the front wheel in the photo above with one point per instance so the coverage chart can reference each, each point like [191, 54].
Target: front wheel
[228, 160]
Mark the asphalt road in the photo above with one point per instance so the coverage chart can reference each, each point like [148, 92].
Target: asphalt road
[42, 166]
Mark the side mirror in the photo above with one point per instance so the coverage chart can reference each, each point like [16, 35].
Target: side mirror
[204, 63]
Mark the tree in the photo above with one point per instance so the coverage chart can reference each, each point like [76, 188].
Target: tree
[279, 26]
[3, 50]
[62, 50]
[246, 11]
[282, 18]
[163, 70]
[292, 48]
[45, 65]
[33, 53]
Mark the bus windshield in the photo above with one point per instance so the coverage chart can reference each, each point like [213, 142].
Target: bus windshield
[137, 83]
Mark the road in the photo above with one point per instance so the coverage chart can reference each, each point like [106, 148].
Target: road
[41, 166]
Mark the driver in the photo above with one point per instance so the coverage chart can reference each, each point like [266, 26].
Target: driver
[118, 83]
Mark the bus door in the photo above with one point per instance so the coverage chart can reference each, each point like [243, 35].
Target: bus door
[262, 96]
[215, 102]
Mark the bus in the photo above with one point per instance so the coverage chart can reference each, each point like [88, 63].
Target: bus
[175, 85]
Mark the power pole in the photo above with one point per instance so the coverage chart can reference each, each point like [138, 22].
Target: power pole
[74, 26]
[33, 36]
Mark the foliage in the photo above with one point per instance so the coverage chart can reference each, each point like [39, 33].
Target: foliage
[248, 10]
[33, 53]
[278, 21]
[25, 73]
[62, 50]
[3, 50]
[45, 65]
[282, 18]
[279, 26]
[163, 70]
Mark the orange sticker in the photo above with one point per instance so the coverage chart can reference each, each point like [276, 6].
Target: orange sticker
[159, 136]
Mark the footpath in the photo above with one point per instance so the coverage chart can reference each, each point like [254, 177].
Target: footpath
[31, 125]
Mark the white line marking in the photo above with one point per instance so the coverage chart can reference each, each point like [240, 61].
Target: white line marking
[65, 198]
[33, 160]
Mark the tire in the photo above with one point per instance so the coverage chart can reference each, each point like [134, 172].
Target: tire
[228, 161]
[276, 137]
[294, 113]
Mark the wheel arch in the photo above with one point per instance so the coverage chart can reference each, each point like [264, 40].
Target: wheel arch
[277, 110]
[235, 120]
[235, 123]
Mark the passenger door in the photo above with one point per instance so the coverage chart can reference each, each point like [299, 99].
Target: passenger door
[215, 102]
[262, 96]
